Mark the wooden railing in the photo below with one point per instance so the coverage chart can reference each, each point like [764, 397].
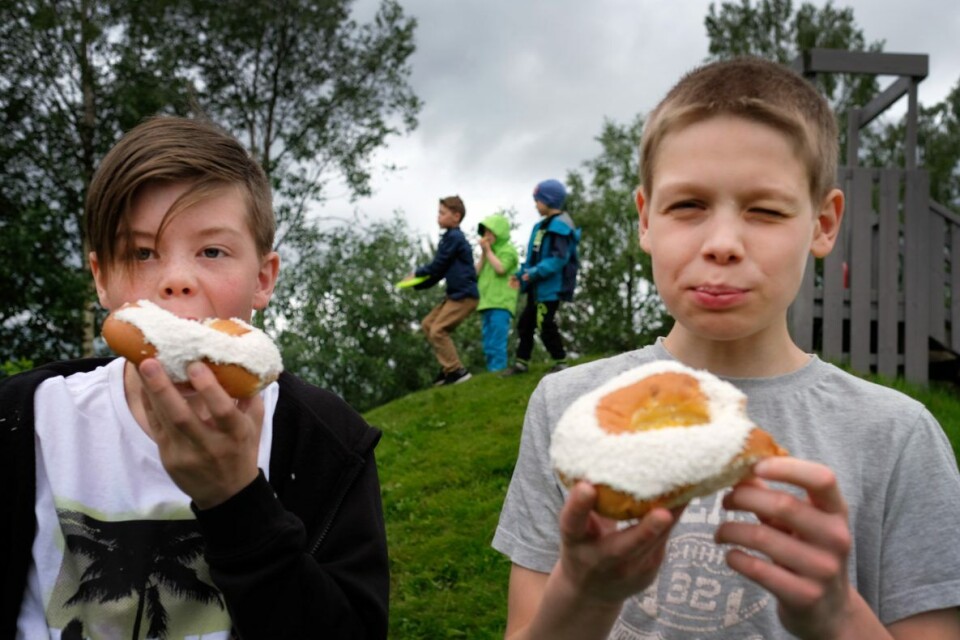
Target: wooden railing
[888, 292]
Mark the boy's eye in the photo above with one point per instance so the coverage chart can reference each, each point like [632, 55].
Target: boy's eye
[212, 252]
[684, 205]
[773, 213]
[142, 253]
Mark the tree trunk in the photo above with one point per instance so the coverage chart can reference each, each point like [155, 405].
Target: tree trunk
[87, 129]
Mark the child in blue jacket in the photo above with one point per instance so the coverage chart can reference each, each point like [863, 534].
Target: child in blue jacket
[548, 276]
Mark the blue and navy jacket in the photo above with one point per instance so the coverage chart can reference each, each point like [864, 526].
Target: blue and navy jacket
[454, 261]
[552, 261]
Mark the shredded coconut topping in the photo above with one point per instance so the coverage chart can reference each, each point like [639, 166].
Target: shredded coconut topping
[650, 463]
[180, 341]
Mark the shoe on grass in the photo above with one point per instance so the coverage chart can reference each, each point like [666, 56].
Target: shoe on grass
[440, 378]
[518, 367]
[456, 377]
[559, 366]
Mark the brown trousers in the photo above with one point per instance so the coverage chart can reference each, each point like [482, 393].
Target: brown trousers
[440, 323]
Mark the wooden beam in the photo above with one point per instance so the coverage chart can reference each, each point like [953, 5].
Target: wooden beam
[879, 104]
[944, 213]
[916, 65]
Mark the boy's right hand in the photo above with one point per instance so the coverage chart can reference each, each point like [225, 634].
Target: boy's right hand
[603, 563]
[208, 442]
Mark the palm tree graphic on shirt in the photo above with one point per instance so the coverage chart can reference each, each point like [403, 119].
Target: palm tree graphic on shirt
[136, 558]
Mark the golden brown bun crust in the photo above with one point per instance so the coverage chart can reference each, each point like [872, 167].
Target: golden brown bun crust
[128, 341]
[669, 399]
[622, 506]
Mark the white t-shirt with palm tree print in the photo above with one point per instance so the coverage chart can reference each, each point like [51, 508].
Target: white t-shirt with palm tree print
[118, 553]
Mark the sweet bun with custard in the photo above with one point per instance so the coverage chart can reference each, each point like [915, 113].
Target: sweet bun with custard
[658, 435]
[243, 358]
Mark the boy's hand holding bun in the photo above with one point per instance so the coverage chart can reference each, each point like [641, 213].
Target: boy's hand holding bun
[805, 543]
[605, 563]
[208, 441]
[192, 373]
[600, 566]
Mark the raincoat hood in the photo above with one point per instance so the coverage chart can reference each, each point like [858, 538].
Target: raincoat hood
[499, 225]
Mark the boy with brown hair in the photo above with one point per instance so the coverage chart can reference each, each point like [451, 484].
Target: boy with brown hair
[453, 262]
[853, 536]
[145, 507]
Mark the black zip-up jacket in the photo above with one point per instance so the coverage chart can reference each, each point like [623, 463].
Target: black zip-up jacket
[303, 556]
[454, 261]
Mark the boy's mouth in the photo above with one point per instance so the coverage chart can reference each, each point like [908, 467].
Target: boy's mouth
[718, 296]
[718, 290]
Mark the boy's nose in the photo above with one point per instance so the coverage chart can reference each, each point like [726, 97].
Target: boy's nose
[177, 281]
[723, 243]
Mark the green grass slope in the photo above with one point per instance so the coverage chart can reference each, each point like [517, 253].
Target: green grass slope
[445, 461]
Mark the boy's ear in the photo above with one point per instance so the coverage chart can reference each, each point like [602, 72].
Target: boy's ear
[99, 279]
[266, 280]
[827, 224]
[644, 213]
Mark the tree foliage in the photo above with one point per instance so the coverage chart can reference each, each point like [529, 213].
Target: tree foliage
[615, 308]
[309, 91]
[346, 327]
[71, 80]
[938, 142]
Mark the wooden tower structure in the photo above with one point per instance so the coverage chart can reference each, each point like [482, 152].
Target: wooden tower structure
[887, 299]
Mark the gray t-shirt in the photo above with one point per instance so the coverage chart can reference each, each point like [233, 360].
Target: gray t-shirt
[895, 468]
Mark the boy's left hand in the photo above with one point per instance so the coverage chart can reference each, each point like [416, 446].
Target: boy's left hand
[208, 441]
[806, 543]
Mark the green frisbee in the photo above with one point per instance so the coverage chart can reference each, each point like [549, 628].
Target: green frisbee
[406, 283]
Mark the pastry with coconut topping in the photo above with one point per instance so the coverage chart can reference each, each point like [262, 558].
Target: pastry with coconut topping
[243, 358]
[658, 435]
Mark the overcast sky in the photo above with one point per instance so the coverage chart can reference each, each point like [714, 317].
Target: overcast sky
[515, 91]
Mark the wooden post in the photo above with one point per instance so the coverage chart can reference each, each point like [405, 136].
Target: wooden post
[861, 267]
[888, 274]
[916, 283]
[801, 314]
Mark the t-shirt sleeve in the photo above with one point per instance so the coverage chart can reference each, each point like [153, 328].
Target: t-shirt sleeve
[921, 556]
[528, 532]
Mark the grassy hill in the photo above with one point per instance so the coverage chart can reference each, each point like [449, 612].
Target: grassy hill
[445, 461]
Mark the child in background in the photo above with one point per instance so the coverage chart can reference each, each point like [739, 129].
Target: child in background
[855, 536]
[498, 290]
[141, 508]
[548, 276]
[453, 261]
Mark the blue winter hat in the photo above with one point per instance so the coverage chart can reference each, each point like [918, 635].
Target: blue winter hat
[551, 193]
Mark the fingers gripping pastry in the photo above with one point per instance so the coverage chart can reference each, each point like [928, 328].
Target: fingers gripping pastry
[243, 358]
[658, 436]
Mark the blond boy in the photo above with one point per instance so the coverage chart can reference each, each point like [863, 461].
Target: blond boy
[852, 537]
